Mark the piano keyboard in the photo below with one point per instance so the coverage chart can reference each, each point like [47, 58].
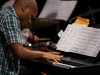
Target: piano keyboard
[67, 66]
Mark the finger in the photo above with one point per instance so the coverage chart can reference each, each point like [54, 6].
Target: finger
[57, 59]
[55, 52]
[47, 60]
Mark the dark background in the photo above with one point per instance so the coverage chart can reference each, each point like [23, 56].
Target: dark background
[82, 7]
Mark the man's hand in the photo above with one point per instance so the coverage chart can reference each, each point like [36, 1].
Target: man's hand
[52, 56]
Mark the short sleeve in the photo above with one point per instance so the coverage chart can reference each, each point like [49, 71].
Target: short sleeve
[11, 29]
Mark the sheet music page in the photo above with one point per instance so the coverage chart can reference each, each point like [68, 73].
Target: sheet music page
[57, 9]
[60, 33]
[80, 39]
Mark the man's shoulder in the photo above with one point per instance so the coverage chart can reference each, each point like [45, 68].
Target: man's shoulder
[7, 11]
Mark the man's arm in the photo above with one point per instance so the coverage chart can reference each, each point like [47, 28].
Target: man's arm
[20, 52]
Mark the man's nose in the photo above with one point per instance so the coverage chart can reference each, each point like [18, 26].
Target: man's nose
[29, 21]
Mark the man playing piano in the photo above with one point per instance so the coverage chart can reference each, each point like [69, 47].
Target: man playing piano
[11, 48]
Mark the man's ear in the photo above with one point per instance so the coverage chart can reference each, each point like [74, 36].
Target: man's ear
[24, 7]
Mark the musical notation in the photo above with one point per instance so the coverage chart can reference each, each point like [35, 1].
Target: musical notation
[80, 39]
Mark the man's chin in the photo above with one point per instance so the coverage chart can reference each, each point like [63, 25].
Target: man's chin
[23, 27]
[26, 26]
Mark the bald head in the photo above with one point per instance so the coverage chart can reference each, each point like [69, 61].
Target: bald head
[31, 4]
[21, 2]
[25, 10]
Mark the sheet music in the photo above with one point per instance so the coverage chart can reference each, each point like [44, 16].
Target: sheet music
[57, 9]
[80, 39]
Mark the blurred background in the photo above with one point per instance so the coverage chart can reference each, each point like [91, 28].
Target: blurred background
[46, 27]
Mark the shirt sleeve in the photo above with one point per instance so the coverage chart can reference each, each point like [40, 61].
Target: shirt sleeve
[11, 30]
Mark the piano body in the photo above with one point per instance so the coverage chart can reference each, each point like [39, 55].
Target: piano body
[71, 64]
